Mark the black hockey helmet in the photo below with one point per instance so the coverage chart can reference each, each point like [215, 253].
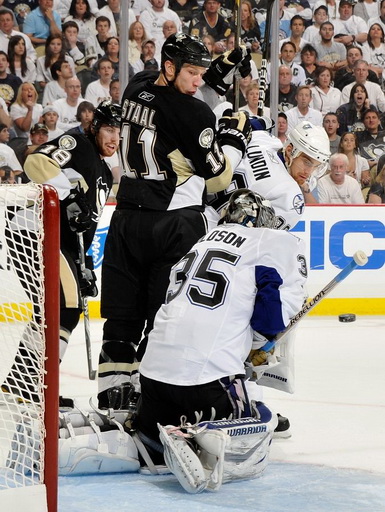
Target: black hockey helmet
[107, 113]
[249, 209]
[182, 49]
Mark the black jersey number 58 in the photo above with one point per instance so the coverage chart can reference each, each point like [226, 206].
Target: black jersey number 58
[206, 287]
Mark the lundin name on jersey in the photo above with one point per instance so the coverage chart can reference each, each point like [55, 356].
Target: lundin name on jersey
[258, 164]
[226, 237]
[138, 114]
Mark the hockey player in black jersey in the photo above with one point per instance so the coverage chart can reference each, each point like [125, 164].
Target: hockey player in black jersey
[171, 154]
[74, 164]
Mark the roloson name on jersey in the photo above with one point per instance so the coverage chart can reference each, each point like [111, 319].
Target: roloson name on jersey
[138, 114]
[227, 237]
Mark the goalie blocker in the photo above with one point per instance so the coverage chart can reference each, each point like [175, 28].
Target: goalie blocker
[205, 455]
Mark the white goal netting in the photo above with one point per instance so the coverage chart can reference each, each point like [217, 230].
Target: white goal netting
[22, 338]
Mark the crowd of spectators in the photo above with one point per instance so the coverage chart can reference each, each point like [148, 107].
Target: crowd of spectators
[58, 56]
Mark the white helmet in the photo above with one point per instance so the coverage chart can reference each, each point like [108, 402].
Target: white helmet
[312, 141]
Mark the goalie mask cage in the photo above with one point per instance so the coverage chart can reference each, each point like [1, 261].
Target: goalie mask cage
[29, 347]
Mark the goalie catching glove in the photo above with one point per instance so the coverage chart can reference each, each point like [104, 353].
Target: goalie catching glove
[79, 211]
[234, 129]
[220, 74]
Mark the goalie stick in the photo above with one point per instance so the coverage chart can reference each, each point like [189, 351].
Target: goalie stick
[265, 58]
[87, 331]
[359, 260]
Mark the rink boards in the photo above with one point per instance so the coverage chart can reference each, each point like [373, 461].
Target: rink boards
[332, 235]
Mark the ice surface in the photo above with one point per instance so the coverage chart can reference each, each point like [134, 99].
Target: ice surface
[334, 461]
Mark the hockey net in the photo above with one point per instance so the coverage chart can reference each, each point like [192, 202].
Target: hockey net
[29, 359]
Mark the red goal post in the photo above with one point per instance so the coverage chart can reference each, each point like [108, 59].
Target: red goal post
[29, 347]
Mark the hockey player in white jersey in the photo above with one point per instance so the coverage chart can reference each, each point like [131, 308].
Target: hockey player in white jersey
[233, 292]
[306, 154]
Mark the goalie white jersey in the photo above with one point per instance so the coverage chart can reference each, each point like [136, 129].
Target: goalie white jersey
[233, 281]
[264, 172]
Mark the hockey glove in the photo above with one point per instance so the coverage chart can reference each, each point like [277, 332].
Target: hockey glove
[220, 74]
[235, 130]
[262, 123]
[79, 211]
[87, 279]
[261, 348]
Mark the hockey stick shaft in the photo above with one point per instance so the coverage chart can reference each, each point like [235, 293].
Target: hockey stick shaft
[238, 26]
[87, 330]
[359, 259]
[265, 58]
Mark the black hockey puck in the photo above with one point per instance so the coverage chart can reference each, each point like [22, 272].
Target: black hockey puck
[347, 318]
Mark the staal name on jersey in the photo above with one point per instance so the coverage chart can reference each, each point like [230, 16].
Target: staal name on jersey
[138, 114]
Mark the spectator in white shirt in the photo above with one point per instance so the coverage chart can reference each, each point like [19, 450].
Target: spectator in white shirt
[112, 12]
[153, 19]
[375, 94]
[326, 98]
[7, 31]
[67, 107]
[302, 112]
[54, 90]
[355, 28]
[337, 187]
[99, 90]
[25, 111]
[19, 64]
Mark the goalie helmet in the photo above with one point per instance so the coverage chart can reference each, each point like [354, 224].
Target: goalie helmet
[310, 140]
[107, 113]
[184, 49]
[249, 209]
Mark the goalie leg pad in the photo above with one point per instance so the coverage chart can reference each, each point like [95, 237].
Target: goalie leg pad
[182, 461]
[247, 453]
[113, 451]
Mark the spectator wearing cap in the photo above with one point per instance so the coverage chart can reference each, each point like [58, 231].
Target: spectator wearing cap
[355, 29]
[61, 71]
[212, 23]
[147, 59]
[25, 111]
[38, 136]
[50, 118]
